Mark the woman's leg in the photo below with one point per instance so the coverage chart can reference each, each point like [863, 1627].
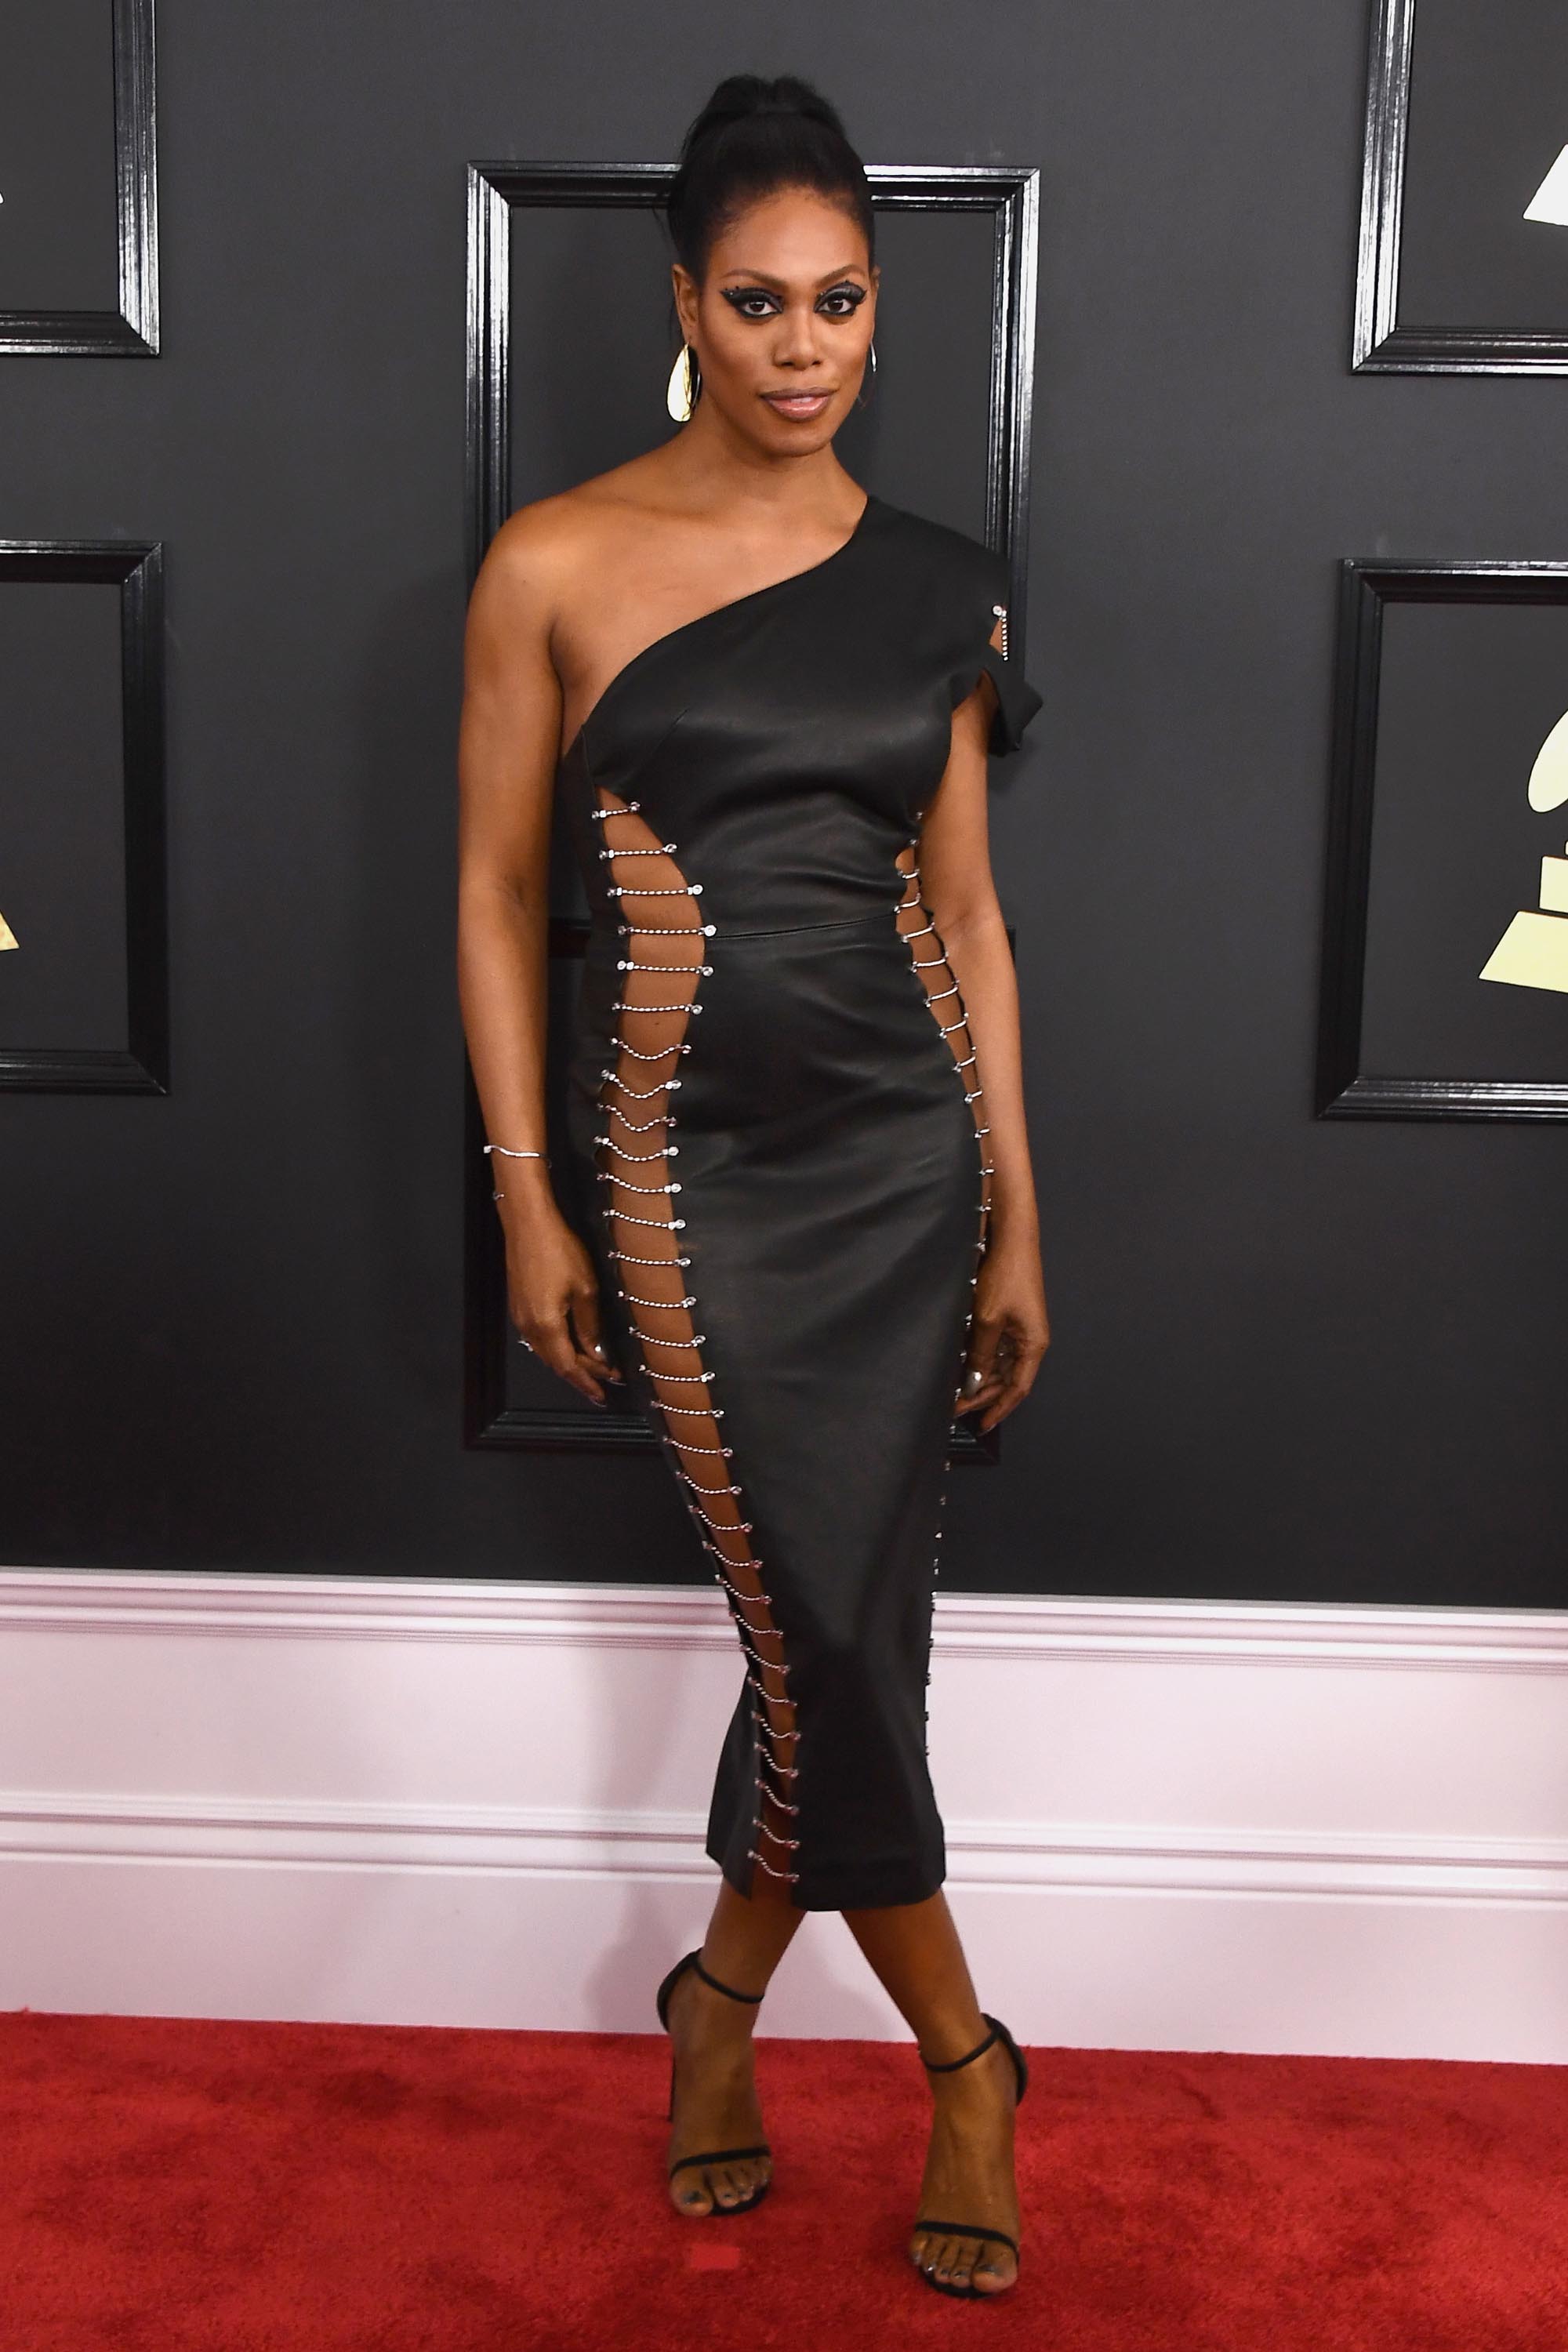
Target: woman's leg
[715, 2092]
[969, 2177]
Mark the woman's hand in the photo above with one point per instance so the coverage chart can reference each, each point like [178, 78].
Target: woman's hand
[552, 1291]
[1009, 1335]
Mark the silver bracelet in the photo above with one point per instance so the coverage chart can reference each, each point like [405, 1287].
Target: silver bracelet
[513, 1155]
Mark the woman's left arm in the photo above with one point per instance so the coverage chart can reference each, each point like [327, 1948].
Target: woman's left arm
[1010, 1332]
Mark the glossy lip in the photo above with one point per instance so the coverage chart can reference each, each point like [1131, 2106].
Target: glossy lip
[812, 403]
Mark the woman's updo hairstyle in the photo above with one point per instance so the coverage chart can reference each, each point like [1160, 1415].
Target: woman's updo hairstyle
[752, 138]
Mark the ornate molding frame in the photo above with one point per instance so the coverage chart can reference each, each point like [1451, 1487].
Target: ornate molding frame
[141, 1066]
[497, 192]
[131, 331]
[1379, 344]
[1342, 1089]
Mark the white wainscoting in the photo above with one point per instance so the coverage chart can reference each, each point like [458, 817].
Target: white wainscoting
[1170, 1825]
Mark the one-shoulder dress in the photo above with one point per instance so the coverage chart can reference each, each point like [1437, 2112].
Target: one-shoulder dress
[776, 1119]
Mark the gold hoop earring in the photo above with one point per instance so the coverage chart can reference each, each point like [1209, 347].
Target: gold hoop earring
[685, 383]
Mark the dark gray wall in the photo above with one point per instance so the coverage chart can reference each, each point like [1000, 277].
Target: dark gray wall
[1293, 1357]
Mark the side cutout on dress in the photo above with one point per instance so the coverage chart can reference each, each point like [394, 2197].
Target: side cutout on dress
[664, 959]
[928, 959]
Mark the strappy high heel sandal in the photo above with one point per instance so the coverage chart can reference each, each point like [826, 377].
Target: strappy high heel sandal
[969, 2229]
[713, 2155]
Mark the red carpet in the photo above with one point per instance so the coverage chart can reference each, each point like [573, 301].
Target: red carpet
[170, 2186]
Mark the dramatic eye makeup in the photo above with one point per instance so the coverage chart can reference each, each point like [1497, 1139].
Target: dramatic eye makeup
[840, 302]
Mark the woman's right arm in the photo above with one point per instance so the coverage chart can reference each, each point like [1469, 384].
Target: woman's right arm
[508, 746]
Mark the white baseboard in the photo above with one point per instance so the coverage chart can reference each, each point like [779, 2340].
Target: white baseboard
[1170, 1824]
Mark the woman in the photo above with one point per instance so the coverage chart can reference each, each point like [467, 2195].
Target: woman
[802, 1196]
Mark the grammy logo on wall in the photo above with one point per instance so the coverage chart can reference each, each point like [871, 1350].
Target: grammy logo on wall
[1533, 950]
[1448, 698]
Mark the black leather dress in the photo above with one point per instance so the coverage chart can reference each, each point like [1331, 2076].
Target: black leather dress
[777, 1122]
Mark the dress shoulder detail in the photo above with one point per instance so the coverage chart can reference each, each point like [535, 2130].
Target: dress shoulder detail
[967, 585]
[1016, 700]
[985, 594]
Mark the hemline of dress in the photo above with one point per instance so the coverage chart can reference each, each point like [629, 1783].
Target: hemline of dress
[868, 1890]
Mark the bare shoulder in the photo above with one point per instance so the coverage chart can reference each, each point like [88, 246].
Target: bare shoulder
[544, 551]
[525, 581]
[527, 560]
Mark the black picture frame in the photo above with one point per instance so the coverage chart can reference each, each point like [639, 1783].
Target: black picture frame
[497, 192]
[141, 1066]
[133, 330]
[1342, 1089]
[1379, 344]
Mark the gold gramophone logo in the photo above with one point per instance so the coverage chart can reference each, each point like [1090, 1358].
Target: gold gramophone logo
[1533, 950]
[7, 936]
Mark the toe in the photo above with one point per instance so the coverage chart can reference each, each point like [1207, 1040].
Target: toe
[926, 2251]
[692, 2191]
[995, 2269]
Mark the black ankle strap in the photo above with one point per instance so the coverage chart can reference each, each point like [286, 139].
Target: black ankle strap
[752, 1997]
[949, 2065]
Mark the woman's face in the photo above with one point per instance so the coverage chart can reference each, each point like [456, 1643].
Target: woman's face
[783, 321]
